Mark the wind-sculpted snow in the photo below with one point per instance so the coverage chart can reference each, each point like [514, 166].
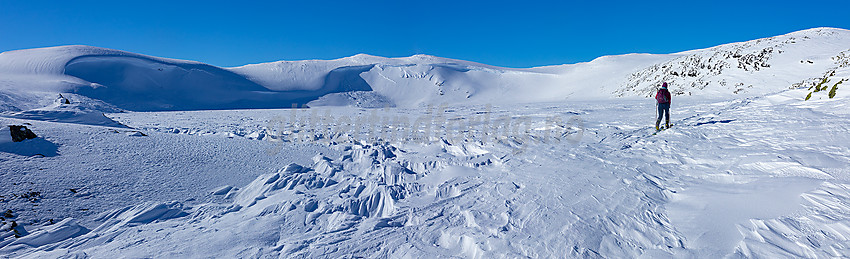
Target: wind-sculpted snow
[61, 234]
[368, 193]
[139, 214]
[731, 178]
[63, 230]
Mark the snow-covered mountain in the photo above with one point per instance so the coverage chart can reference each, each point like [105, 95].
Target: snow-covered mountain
[755, 165]
[144, 83]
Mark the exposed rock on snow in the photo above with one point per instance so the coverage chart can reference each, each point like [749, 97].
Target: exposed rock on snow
[62, 100]
[18, 139]
[20, 133]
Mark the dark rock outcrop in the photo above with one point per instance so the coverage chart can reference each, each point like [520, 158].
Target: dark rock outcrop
[62, 100]
[21, 133]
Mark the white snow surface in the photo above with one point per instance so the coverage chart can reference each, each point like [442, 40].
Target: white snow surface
[429, 157]
[751, 177]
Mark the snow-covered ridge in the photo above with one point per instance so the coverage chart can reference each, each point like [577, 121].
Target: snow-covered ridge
[52, 60]
[128, 80]
[144, 83]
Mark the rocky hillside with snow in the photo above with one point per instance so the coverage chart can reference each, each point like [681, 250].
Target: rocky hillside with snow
[798, 59]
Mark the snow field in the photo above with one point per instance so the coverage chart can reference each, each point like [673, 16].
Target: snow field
[761, 176]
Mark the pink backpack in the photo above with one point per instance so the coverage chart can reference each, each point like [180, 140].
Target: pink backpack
[660, 96]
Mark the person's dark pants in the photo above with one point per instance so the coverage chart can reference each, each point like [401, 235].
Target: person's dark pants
[663, 111]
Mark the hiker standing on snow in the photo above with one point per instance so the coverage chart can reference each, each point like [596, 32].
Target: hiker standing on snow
[663, 98]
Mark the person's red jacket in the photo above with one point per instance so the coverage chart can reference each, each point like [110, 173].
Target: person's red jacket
[662, 96]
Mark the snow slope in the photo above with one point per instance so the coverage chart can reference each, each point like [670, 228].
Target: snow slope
[408, 81]
[422, 79]
[130, 81]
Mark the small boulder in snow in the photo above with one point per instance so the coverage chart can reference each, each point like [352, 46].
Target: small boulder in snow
[21, 133]
[62, 100]
[19, 140]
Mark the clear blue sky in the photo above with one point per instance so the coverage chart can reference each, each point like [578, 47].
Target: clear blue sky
[518, 33]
